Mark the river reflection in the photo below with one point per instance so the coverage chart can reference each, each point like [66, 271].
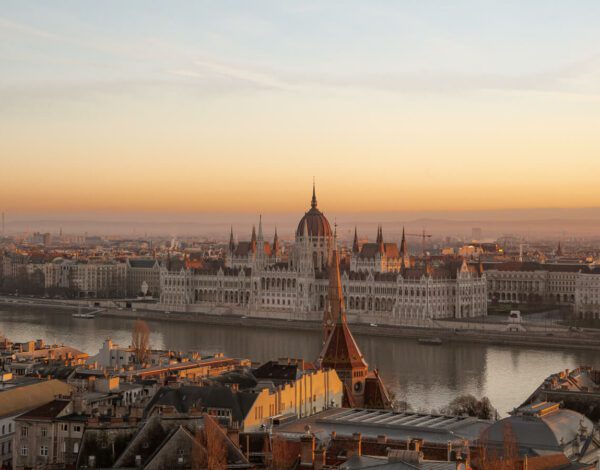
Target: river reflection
[426, 376]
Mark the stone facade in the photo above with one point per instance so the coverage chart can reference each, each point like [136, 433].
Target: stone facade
[528, 282]
[383, 287]
[587, 294]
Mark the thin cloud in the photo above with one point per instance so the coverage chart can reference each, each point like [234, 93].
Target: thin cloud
[207, 68]
[10, 26]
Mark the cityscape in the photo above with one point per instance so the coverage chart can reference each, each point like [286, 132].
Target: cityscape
[313, 235]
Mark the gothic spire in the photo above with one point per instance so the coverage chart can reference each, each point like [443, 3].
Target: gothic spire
[231, 240]
[260, 230]
[313, 202]
[404, 250]
[380, 246]
[355, 247]
[336, 297]
[275, 243]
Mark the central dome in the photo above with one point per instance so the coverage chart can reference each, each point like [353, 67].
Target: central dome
[316, 223]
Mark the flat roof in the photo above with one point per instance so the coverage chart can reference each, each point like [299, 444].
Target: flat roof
[394, 425]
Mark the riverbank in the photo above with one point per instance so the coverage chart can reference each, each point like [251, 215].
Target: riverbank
[567, 341]
[554, 339]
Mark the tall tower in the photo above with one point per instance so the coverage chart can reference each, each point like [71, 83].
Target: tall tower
[260, 246]
[340, 351]
[404, 252]
[355, 247]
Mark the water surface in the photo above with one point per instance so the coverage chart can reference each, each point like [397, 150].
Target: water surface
[426, 376]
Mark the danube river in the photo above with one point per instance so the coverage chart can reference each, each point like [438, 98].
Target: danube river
[426, 376]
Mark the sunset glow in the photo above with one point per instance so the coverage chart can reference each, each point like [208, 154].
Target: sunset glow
[236, 109]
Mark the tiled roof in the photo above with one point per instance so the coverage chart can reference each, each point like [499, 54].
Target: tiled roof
[188, 396]
[47, 411]
[141, 263]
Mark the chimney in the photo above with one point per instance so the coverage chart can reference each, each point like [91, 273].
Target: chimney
[320, 456]
[416, 444]
[356, 445]
[307, 451]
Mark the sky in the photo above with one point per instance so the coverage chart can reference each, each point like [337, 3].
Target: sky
[225, 106]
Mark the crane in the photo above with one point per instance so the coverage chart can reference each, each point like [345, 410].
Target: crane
[423, 235]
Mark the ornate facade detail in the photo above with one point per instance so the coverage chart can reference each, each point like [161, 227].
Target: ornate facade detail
[379, 283]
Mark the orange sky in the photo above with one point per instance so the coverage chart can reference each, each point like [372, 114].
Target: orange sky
[237, 111]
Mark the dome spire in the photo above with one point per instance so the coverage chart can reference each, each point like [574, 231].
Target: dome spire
[313, 202]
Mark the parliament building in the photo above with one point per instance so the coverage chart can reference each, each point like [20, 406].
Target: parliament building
[380, 281]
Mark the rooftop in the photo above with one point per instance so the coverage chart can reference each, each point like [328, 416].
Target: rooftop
[394, 425]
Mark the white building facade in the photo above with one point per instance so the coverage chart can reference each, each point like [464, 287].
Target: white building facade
[255, 282]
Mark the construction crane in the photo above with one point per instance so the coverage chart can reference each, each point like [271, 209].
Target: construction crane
[423, 235]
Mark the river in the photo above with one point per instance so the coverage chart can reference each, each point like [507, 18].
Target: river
[426, 376]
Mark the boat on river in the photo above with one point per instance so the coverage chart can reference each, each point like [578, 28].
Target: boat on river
[434, 341]
[83, 315]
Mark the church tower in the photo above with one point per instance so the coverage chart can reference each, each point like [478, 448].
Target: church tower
[340, 351]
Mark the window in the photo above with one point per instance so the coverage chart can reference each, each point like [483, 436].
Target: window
[44, 431]
[24, 451]
[44, 451]
[3, 428]
[64, 427]
[77, 428]
[24, 431]
[76, 447]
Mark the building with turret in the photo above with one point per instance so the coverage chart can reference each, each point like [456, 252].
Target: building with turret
[362, 387]
[379, 280]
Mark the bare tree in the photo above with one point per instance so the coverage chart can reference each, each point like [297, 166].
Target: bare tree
[471, 406]
[140, 341]
[489, 458]
[210, 447]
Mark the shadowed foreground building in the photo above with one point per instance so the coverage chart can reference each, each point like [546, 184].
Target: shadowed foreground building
[544, 429]
[362, 387]
[577, 390]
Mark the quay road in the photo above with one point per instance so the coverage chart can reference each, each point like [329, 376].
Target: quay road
[473, 331]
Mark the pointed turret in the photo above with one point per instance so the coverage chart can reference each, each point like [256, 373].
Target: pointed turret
[340, 351]
[559, 251]
[260, 230]
[336, 315]
[404, 251]
[313, 202]
[355, 247]
[275, 243]
[380, 245]
[231, 241]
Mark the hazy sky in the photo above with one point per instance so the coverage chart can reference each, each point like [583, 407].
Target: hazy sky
[235, 106]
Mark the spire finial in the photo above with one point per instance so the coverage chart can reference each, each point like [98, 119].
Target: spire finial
[313, 202]
[260, 230]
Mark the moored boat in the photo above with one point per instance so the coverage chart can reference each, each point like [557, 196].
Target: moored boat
[434, 341]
